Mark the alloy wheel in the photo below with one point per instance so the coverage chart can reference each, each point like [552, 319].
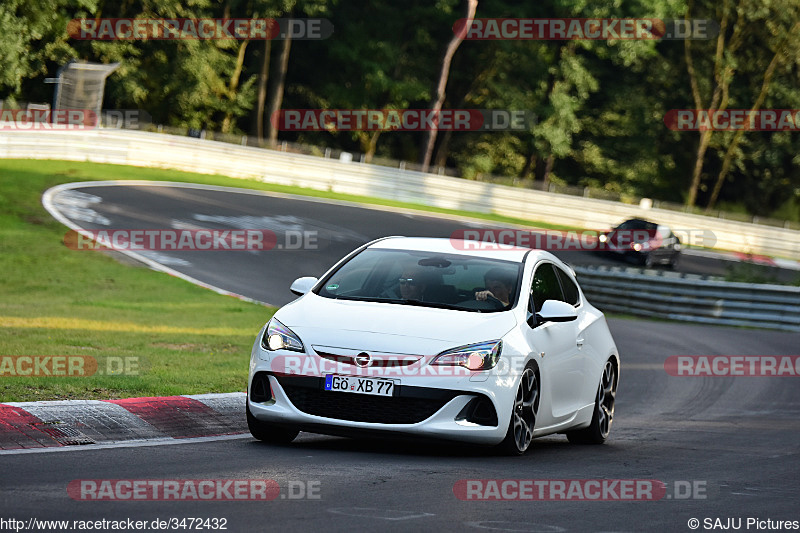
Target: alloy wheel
[526, 404]
[606, 396]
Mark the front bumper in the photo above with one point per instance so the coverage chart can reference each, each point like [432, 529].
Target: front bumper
[423, 407]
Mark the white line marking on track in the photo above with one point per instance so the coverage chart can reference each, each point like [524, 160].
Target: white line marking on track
[48, 201]
[382, 514]
[498, 525]
[126, 444]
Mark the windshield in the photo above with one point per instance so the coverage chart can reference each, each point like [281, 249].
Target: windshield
[426, 279]
[636, 224]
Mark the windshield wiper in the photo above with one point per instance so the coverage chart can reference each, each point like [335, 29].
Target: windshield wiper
[414, 302]
[356, 298]
[437, 305]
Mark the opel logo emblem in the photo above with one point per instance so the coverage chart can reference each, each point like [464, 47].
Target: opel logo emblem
[363, 359]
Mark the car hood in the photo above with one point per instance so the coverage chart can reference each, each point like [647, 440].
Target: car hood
[389, 327]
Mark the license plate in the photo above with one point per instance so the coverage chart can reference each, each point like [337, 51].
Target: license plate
[375, 387]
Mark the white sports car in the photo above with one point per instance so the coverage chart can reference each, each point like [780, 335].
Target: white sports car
[439, 338]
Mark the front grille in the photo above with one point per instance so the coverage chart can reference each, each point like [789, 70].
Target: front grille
[375, 363]
[365, 408]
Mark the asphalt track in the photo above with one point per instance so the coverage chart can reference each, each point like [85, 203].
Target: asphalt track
[736, 439]
[337, 228]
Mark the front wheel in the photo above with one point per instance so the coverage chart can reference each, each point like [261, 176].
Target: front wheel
[267, 432]
[600, 427]
[523, 415]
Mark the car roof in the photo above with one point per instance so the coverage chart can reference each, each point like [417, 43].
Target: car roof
[641, 221]
[460, 247]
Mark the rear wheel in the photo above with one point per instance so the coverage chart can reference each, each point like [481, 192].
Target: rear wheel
[523, 415]
[600, 427]
[268, 432]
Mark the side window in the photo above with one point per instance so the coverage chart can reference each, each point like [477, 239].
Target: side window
[545, 286]
[571, 294]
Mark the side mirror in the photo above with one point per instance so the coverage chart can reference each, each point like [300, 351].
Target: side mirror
[303, 285]
[556, 311]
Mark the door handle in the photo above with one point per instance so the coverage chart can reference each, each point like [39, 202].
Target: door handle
[579, 341]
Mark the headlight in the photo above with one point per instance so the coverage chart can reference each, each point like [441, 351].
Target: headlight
[279, 337]
[637, 246]
[481, 356]
[603, 237]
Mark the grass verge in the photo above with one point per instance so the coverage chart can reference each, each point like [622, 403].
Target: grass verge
[55, 302]
[158, 335]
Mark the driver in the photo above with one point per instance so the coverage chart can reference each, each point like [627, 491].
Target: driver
[499, 284]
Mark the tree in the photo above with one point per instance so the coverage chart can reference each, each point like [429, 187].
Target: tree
[762, 25]
[281, 67]
[276, 94]
[787, 50]
[33, 36]
[441, 85]
[371, 66]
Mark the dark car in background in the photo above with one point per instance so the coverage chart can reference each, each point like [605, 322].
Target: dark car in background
[643, 242]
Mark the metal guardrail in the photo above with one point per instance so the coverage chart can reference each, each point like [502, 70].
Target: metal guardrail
[691, 298]
[667, 296]
[146, 149]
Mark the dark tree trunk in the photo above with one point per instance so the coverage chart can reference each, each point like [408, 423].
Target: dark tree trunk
[263, 78]
[276, 98]
[429, 140]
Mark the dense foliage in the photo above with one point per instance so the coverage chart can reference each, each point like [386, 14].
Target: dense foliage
[600, 104]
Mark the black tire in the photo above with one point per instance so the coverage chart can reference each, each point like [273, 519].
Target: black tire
[674, 260]
[523, 415]
[268, 432]
[649, 261]
[603, 415]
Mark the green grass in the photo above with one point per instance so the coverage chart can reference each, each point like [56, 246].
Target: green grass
[57, 301]
[753, 273]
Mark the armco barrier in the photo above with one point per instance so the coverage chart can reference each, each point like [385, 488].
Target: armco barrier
[209, 157]
[691, 299]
